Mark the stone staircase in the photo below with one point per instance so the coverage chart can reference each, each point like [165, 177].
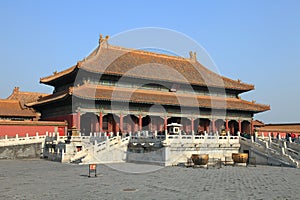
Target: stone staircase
[267, 152]
[111, 150]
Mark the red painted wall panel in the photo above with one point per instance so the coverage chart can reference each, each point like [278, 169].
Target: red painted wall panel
[22, 130]
[71, 119]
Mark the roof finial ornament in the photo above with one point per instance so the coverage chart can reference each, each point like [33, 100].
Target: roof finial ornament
[100, 39]
[79, 63]
[103, 41]
[16, 90]
[193, 56]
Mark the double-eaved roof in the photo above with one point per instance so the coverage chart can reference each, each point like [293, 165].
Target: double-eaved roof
[122, 62]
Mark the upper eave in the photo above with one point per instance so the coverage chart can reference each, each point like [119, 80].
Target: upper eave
[49, 80]
[119, 61]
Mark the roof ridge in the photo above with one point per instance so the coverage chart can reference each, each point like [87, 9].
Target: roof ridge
[10, 100]
[145, 52]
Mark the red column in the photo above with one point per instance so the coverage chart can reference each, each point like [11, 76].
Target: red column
[74, 120]
[252, 127]
[213, 125]
[227, 127]
[240, 126]
[121, 123]
[101, 122]
[207, 127]
[78, 120]
[192, 124]
[140, 122]
[165, 123]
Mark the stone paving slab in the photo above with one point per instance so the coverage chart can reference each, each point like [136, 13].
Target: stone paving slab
[40, 179]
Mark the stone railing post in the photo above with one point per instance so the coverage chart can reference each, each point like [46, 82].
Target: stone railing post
[62, 154]
[284, 145]
[282, 151]
[107, 143]
[228, 136]
[270, 139]
[146, 133]
[256, 136]
[205, 137]
[166, 134]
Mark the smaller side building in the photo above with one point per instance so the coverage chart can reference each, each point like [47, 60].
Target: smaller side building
[282, 129]
[16, 118]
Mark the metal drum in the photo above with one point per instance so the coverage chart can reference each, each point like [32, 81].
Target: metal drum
[240, 157]
[200, 159]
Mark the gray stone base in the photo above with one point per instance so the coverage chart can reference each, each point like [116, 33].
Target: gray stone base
[25, 151]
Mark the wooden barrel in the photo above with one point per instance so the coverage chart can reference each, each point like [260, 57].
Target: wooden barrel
[240, 157]
[200, 159]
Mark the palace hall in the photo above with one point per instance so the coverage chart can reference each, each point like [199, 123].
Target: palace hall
[122, 90]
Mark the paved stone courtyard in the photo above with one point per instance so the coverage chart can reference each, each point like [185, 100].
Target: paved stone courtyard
[40, 179]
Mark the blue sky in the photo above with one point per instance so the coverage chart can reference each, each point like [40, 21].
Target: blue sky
[255, 41]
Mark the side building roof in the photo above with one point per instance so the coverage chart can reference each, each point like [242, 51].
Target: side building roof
[281, 128]
[13, 108]
[24, 97]
[14, 105]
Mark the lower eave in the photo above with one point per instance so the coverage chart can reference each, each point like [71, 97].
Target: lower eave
[106, 93]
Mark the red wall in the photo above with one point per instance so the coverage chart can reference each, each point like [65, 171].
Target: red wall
[282, 135]
[71, 119]
[21, 130]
